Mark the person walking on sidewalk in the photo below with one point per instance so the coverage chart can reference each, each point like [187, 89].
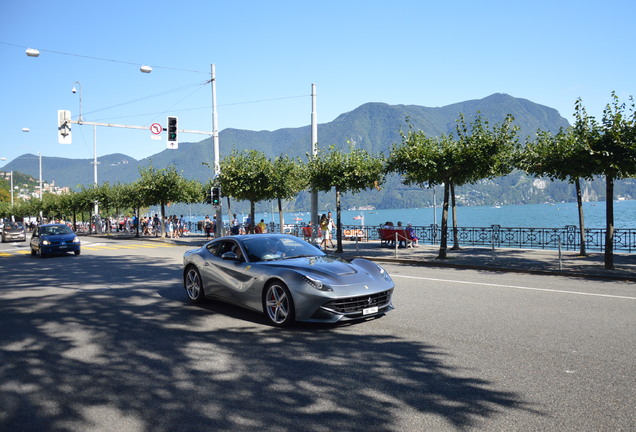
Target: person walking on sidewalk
[331, 226]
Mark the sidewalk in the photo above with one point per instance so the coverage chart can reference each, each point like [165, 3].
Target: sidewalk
[515, 260]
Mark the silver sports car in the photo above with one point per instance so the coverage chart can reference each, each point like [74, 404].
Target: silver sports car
[286, 278]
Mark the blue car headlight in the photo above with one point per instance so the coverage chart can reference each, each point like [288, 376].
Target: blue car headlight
[316, 283]
[46, 242]
[76, 240]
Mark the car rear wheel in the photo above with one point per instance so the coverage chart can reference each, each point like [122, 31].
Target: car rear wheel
[278, 304]
[194, 285]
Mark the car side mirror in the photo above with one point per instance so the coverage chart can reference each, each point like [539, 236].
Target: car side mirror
[229, 256]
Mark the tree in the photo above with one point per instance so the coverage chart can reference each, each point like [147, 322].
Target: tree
[564, 156]
[613, 151]
[289, 177]
[478, 152]
[246, 176]
[346, 172]
[163, 186]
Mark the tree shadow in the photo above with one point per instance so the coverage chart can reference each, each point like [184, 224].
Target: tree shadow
[137, 352]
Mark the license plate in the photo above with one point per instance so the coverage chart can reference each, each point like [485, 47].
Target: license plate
[62, 246]
[370, 310]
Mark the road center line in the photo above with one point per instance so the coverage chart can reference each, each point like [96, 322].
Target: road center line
[514, 287]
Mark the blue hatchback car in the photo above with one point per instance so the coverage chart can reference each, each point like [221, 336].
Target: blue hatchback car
[52, 239]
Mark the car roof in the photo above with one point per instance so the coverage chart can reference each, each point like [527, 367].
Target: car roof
[258, 236]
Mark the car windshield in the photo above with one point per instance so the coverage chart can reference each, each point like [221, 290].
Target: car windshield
[278, 247]
[55, 230]
[14, 225]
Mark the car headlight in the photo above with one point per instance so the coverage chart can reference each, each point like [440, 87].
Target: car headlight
[46, 242]
[316, 283]
[76, 239]
[384, 274]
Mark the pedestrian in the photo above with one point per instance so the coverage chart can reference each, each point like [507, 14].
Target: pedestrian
[234, 225]
[261, 228]
[207, 226]
[324, 229]
[330, 228]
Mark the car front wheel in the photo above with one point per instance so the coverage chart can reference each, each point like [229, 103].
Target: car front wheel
[278, 304]
[194, 285]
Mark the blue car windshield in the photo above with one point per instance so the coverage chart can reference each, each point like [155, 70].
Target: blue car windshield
[56, 230]
[276, 248]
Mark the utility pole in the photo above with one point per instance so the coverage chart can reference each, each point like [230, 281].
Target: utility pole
[215, 143]
[314, 153]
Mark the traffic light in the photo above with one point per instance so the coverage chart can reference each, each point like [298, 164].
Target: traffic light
[173, 139]
[208, 197]
[64, 126]
[216, 196]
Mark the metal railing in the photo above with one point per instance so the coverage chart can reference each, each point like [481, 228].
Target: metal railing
[496, 236]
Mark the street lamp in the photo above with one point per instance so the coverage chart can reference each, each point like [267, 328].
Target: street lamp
[11, 174]
[26, 129]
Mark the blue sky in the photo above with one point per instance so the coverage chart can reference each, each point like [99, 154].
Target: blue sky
[267, 55]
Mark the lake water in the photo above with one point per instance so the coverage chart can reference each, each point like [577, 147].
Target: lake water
[526, 215]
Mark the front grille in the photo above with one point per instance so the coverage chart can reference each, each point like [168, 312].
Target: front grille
[357, 304]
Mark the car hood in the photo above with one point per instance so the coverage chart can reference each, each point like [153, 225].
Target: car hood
[325, 265]
[58, 237]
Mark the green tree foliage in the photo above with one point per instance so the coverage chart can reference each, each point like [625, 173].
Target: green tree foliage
[564, 156]
[345, 172]
[246, 176]
[478, 152]
[166, 185]
[613, 152]
[289, 177]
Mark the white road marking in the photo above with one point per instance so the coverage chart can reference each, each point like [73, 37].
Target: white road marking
[514, 287]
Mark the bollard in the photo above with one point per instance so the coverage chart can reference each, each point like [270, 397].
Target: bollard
[560, 257]
[396, 245]
[492, 242]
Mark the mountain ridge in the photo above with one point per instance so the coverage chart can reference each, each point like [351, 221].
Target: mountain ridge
[374, 126]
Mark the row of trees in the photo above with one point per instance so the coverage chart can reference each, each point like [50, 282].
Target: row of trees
[477, 150]
[154, 187]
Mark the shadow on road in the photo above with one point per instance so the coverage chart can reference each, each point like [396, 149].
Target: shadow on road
[138, 356]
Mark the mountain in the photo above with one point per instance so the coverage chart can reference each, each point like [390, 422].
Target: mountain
[373, 126]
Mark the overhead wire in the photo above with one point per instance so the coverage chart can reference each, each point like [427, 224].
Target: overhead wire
[198, 84]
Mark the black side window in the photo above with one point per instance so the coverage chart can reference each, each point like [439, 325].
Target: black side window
[226, 246]
[213, 248]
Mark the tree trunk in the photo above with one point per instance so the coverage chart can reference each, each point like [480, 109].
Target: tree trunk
[444, 240]
[338, 223]
[137, 211]
[250, 229]
[609, 222]
[281, 216]
[579, 202]
[162, 220]
[454, 204]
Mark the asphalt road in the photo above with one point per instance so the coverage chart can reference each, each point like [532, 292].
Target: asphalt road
[108, 341]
